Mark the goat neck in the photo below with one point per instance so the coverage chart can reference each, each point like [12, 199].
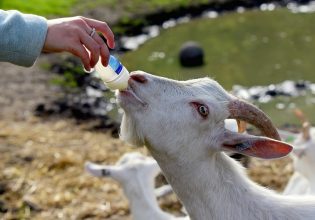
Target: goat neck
[217, 188]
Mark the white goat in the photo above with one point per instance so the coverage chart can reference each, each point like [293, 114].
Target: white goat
[303, 180]
[136, 173]
[182, 124]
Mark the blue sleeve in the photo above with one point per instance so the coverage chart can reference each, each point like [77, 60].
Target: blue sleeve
[22, 37]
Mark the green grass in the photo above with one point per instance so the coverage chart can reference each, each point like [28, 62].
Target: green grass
[40, 7]
[286, 115]
[52, 8]
[253, 48]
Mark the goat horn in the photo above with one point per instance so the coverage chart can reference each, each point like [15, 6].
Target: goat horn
[245, 111]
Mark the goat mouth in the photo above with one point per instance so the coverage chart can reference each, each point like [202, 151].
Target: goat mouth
[129, 92]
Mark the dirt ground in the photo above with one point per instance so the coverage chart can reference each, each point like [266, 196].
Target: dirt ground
[42, 159]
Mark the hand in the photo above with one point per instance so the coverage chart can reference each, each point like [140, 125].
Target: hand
[74, 35]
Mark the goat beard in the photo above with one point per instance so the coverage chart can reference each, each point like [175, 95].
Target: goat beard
[129, 131]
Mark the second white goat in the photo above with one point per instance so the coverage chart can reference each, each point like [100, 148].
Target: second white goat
[136, 173]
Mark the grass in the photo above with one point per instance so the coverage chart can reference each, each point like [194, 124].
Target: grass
[253, 48]
[40, 7]
[53, 8]
[139, 6]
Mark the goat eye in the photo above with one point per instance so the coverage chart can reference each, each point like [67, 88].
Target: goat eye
[203, 110]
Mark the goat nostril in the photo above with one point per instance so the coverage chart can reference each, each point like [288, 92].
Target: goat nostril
[139, 78]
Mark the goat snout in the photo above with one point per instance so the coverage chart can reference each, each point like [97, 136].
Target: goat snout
[138, 77]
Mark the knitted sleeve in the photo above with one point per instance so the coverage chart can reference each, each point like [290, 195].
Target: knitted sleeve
[22, 37]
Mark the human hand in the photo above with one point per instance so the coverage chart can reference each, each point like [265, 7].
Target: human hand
[74, 35]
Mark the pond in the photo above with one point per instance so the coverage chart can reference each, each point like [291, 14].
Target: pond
[249, 49]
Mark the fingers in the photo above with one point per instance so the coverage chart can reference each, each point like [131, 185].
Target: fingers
[79, 51]
[104, 29]
[73, 35]
[104, 55]
[92, 46]
[104, 52]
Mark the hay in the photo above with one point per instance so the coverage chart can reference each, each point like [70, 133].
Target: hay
[42, 174]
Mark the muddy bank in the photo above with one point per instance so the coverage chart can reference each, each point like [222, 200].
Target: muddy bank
[23, 88]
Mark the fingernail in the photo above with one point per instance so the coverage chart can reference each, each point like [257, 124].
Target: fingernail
[105, 63]
[112, 46]
[87, 70]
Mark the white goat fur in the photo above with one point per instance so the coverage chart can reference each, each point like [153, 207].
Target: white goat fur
[188, 149]
[302, 181]
[136, 173]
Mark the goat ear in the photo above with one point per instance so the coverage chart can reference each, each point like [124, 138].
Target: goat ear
[255, 146]
[98, 170]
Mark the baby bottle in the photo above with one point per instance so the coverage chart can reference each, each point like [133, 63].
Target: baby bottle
[114, 75]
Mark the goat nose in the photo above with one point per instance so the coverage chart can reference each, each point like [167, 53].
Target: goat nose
[138, 78]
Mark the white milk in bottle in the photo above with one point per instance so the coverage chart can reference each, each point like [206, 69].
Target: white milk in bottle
[114, 75]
